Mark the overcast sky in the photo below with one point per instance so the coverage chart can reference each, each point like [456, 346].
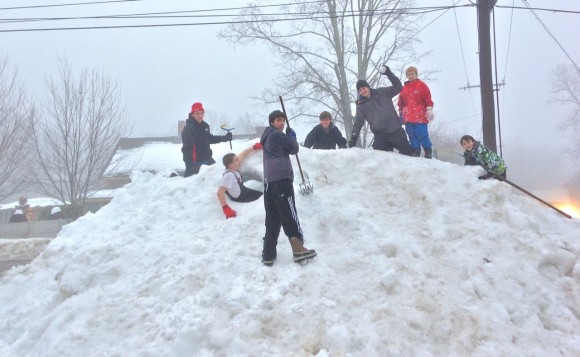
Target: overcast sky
[163, 70]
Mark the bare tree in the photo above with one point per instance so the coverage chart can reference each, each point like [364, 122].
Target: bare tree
[566, 90]
[247, 124]
[325, 46]
[15, 113]
[76, 135]
[443, 137]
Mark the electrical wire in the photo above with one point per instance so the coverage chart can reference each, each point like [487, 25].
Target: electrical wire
[509, 43]
[463, 57]
[61, 5]
[302, 16]
[496, 83]
[444, 12]
[528, 7]
[551, 35]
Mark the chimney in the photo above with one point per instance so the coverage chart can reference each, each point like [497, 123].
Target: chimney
[180, 126]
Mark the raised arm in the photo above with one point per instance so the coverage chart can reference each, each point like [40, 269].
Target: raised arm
[244, 153]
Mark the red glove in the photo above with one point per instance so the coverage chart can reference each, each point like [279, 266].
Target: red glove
[229, 212]
[257, 146]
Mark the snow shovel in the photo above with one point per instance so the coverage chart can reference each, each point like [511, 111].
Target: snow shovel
[305, 187]
[223, 126]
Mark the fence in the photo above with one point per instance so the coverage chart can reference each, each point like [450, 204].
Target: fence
[32, 229]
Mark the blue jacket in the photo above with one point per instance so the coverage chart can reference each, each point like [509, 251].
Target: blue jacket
[277, 148]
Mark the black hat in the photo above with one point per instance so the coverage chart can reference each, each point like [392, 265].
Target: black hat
[362, 83]
[276, 114]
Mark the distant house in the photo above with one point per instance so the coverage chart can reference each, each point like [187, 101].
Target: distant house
[153, 154]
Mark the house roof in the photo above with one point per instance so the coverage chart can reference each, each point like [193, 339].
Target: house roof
[147, 155]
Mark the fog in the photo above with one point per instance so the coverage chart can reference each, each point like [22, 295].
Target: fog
[163, 70]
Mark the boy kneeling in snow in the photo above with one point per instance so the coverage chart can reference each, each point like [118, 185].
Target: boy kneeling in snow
[232, 183]
[477, 154]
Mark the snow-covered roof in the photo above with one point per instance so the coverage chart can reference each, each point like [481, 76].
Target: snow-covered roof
[151, 157]
[34, 202]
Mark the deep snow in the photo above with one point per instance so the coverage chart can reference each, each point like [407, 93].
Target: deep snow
[415, 257]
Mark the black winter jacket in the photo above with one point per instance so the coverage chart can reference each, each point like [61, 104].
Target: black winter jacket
[326, 139]
[196, 139]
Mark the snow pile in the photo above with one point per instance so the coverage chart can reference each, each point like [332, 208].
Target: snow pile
[415, 257]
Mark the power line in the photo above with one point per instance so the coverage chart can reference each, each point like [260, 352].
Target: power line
[496, 86]
[528, 7]
[551, 35]
[444, 12]
[463, 57]
[174, 15]
[464, 118]
[302, 16]
[61, 5]
[509, 42]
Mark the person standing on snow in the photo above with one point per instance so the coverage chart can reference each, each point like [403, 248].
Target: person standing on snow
[325, 135]
[279, 192]
[196, 139]
[232, 183]
[416, 109]
[477, 154]
[25, 208]
[376, 107]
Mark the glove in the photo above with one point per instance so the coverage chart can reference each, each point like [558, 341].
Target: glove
[429, 115]
[230, 213]
[486, 176]
[401, 120]
[291, 133]
[228, 136]
[384, 69]
[352, 142]
[257, 146]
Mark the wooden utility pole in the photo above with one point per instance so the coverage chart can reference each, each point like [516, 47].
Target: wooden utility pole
[484, 8]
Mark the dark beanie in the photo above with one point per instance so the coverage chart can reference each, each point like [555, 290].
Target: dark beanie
[362, 83]
[276, 114]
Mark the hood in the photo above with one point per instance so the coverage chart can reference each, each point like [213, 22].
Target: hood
[269, 130]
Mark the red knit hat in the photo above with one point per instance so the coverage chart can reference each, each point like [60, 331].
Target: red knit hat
[197, 107]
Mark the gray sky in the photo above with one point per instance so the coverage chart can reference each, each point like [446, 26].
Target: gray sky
[163, 70]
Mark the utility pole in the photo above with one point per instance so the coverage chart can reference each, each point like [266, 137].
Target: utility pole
[484, 8]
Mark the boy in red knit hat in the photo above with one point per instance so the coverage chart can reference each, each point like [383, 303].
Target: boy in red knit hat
[196, 139]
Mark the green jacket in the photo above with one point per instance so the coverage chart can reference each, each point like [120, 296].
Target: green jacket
[489, 160]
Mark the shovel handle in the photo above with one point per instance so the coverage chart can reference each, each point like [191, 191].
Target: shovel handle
[288, 124]
[228, 130]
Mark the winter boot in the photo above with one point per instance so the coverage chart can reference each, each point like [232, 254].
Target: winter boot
[428, 153]
[300, 252]
[269, 252]
[416, 152]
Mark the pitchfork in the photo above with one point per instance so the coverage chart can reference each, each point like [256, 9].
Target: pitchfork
[305, 187]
